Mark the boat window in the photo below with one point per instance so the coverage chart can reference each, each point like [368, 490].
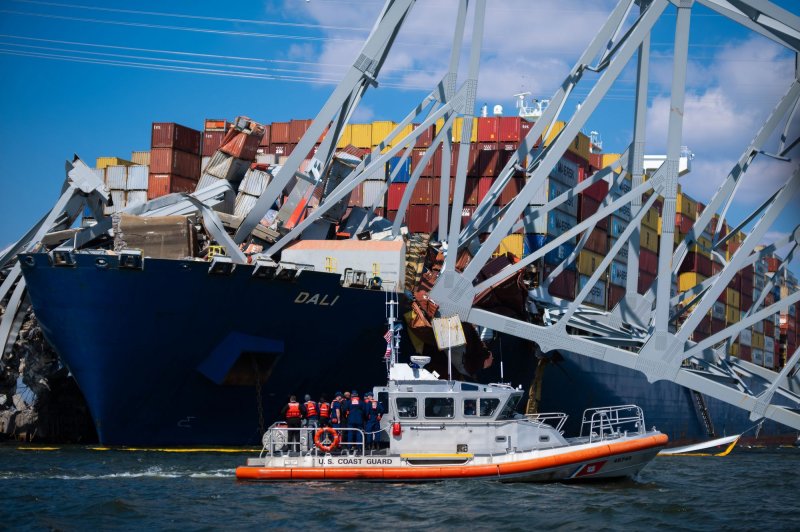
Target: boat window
[469, 387]
[470, 407]
[510, 408]
[383, 398]
[439, 407]
[406, 406]
[489, 406]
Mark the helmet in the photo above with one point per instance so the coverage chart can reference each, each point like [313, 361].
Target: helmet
[368, 394]
[337, 394]
[307, 398]
[354, 392]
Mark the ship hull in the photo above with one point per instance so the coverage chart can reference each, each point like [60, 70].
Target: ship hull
[172, 355]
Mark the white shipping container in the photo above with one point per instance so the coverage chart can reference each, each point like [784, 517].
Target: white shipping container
[385, 259]
[117, 177]
[373, 193]
[224, 166]
[137, 177]
[118, 199]
[758, 356]
[597, 295]
[769, 344]
[746, 337]
[616, 226]
[204, 163]
[265, 158]
[758, 327]
[136, 197]
[566, 172]
[618, 274]
[244, 204]
[551, 190]
[718, 310]
[100, 173]
[622, 256]
[557, 223]
[769, 358]
[254, 182]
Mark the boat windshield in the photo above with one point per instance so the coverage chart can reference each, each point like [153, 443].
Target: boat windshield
[510, 408]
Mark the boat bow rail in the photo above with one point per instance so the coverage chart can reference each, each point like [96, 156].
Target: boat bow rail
[611, 422]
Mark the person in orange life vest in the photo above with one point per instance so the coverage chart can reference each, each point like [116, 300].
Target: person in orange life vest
[311, 421]
[355, 417]
[324, 412]
[372, 427]
[337, 405]
[293, 414]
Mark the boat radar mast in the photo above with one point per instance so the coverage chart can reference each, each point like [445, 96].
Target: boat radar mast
[530, 111]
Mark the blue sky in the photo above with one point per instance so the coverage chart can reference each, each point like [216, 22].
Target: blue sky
[88, 77]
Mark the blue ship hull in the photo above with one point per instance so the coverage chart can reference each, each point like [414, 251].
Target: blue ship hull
[167, 355]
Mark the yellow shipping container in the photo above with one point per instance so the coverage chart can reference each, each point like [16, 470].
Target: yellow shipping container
[406, 131]
[511, 244]
[103, 162]
[651, 220]
[686, 206]
[588, 262]
[458, 125]
[734, 349]
[758, 340]
[609, 158]
[648, 238]
[380, 130]
[688, 280]
[347, 137]
[733, 298]
[438, 126]
[579, 145]
[361, 136]
[731, 314]
[140, 157]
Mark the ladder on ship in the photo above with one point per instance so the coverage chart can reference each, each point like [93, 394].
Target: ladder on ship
[701, 409]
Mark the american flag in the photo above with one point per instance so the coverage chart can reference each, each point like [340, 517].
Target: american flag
[388, 336]
[388, 353]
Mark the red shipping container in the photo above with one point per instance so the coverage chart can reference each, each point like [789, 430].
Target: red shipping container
[162, 184]
[683, 223]
[648, 261]
[773, 263]
[596, 161]
[357, 196]
[396, 191]
[434, 166]
[240, 145]
[745, 301]
[422, 218]
[425, 193]
[488, 129]
[646, 280]
[170, 161]
[281, 150]
[298, 128]
[694, 262]
[279, 133]
[484, 184]
[510, 128]
[615, 294]
[597, 191]
[471, 191]
[717, 325]
[488, 160]
[511, 191]
[562, 286]
[216, 124]
[704, 326]
[466, 215]
[745, 353]
[473, 166]
[425, 139]
[598, 241]
[769, 328]
[266, 137]
[172, 135]
[212, 140]
[587, 207]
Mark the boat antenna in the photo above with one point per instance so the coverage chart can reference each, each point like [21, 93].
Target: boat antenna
[449, 352]
[500, 345]
[391, 335]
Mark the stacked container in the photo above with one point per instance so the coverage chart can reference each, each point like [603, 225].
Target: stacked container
[174, 159]
[127, 186]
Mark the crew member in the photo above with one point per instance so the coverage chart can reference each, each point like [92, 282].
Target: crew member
[311, 422]
[354, 411]
[337, 407]
[345, 402]
[324, 412]
[293, 414]
[372, 426]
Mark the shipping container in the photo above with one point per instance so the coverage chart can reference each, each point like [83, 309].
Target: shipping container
[135, 197]
[396, 191]
[141, 158]
[686, 206]
[176, 136]
[758, 356]
[651, 219]
[558, 255]
[550, 190]
[648, 261]
[598, 242]
[279, 133]
[718, 311]
[513, 244]
[511, 191]
[104, 162]
[137, 178]
[758, 340]
[488, 129]
[566, 172]
[380, 130]
[622, 256]
[695, 262]
[241, 145]
[615, 295]
[458, 125]
[298, 128]
[471, 190]
[745, 353]
[426, 192]
[589, 262]
[556, 223]
[346, 139]
[403, 174]
[646, 280]
[373, 193]
[163, 184]
[212, 140]
[732, 297]
[488, 160]
[513, 129]
[176, 162]
[597, 294]
[618, 274]
[425, 139]
[687, 281]
[597, 191]
[281, 150]
[116, 177]
[616, 226]
[746, 337]
[434, 166]
[564, 285]
[648, 239]
[422, 218]
[216, 124]
[361, 136]
[588, 206]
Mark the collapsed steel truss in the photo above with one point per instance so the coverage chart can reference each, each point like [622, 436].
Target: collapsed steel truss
[650, 341]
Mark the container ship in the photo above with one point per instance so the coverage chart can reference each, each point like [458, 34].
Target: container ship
[174, 346]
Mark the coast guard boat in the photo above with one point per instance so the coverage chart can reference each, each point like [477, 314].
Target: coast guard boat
[437, 429]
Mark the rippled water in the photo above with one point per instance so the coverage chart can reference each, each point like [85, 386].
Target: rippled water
[76, 488]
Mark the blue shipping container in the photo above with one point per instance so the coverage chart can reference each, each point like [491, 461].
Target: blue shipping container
[404, 174]
[534, 241]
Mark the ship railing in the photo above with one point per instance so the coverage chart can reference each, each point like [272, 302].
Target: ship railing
[276, 440]
[609, 422]
[554, 419]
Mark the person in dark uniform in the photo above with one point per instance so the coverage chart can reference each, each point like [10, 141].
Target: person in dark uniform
[293, 414]
[354, 412]
[337, 406]
[372, 425]
[324, 412]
